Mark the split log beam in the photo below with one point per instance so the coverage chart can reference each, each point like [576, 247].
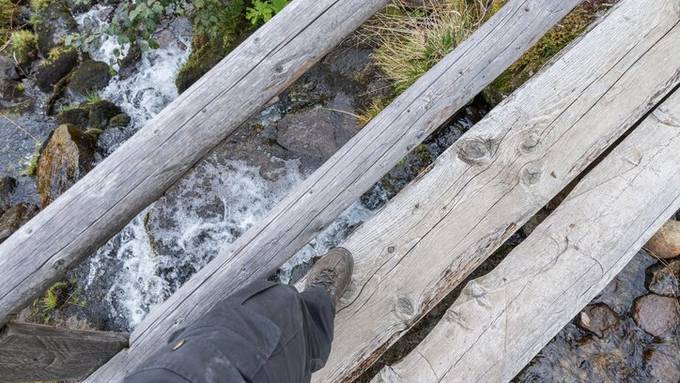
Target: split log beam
[503, 319]
[495, 177]
[31, 353]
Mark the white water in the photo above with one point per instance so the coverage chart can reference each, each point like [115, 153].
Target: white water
[217, 201]
[152, 86]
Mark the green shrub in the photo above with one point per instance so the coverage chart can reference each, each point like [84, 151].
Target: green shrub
[263, 10]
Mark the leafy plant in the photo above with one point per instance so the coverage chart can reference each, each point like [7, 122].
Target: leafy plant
[263, 10]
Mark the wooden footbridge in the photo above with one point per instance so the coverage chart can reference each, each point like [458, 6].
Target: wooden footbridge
[606, 112]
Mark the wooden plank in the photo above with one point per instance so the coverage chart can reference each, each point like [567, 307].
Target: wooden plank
[441, 227]
[503, 319]
[30, 352]
[136, 174]
[351, 171]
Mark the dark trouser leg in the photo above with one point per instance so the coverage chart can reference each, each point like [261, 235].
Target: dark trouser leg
[265, 332]
[305, 321]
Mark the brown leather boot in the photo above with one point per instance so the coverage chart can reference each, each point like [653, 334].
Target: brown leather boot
[332, 272]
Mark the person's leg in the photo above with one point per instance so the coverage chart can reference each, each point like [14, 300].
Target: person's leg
[266, 332]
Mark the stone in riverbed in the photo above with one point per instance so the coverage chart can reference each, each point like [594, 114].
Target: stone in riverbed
[101, 112]
[119, 120]
[89, 77]
[656, 314]
[7, 186]
[598, 319]
[66, 157]
[52, 23]
[9, 79]
[100, 115]
[78, 116]
[50, 71]
[12, 219]
[662, 362]
[666, 242]
[664, 279]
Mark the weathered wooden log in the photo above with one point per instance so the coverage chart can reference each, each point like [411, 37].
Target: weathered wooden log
[501, 172]
[350, 172]
[503, 319]
[30, 352]
[135, 175]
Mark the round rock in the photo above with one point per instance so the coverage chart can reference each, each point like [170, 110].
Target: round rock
[598, 318]
[656, 314]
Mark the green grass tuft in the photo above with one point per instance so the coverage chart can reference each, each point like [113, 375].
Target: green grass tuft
[411, 41]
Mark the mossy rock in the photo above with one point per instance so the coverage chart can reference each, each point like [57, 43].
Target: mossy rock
[90, 76]
[100, 114]
[67, 156]
[60, 63]
[77, 116]
[119, 120]
[52, 22]
[200, 61]
[15, 217]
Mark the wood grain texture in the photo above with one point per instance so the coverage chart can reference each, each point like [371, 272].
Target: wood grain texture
[503, 319]
[135, 175]
[350, 172]
[496, 176]
[30, 352]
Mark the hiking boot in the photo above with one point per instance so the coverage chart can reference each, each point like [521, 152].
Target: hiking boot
[332, 272]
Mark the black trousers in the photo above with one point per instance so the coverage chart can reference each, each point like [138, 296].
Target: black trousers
[266, 332]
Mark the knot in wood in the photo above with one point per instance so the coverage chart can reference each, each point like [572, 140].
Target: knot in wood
[404, 309]
[530, 143]
[531, 173]
[477, 150]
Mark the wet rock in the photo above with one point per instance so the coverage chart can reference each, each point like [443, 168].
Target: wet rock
[8, 70]
[316, 134]
[656, 314]
[77, 116]
[598, 319]
[664, 279]
[119, 120]
[60, 64]
[666, 242]
[7, 186]
[53, 22]
[10, 86]
[66, 157]
[13, 218]
[128, 64]
[101, 113]
[89, 77]
[662, 362]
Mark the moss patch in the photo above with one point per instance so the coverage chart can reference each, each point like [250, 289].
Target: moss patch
[24, 46]
[572, 26]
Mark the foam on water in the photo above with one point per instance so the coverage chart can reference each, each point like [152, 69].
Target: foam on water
[142, 273]
[151, 87]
